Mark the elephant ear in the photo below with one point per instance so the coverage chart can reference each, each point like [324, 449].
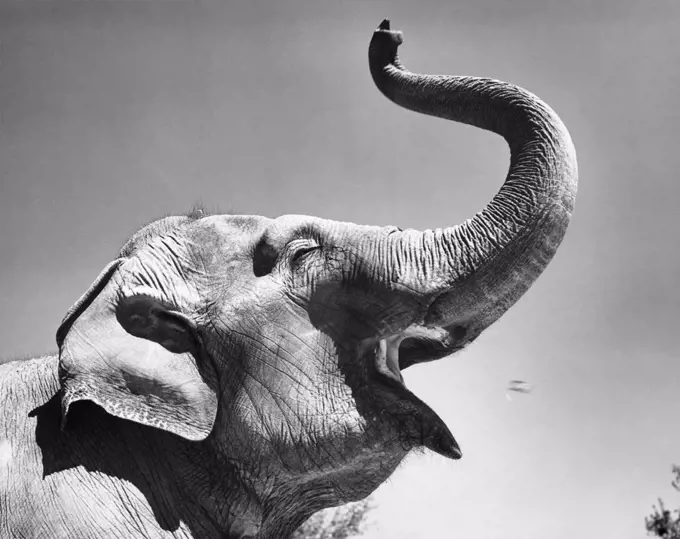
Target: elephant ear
[128, 351]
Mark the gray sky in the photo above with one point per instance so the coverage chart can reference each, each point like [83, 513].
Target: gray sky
[115, 113]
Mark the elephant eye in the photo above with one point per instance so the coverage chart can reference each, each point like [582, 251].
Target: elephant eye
[300, 250]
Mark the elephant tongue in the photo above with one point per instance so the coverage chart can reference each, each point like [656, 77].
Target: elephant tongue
[387, 358]
[387, 353]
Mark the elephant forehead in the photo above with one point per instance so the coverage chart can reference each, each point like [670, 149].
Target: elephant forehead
[347, 234]
[294, 222]
[224, 242]
[234, 225]
[242, 229]
[225, 235]
[235, 234]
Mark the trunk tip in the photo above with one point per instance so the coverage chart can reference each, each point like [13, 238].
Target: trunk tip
[384, 28]
[384, 25]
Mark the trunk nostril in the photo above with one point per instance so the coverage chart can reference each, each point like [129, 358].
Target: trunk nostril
[459, 332]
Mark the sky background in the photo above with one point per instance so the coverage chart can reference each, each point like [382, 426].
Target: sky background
[116, 113]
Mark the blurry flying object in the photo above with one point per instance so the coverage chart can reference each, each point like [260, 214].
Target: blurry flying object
[518, 386]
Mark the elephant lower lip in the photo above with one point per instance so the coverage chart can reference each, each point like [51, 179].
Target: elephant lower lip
[416, 422]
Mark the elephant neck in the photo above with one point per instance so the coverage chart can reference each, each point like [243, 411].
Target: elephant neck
[187, 485]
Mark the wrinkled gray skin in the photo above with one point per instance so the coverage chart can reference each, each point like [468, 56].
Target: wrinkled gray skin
[223, 377]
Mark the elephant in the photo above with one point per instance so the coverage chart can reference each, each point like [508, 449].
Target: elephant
[227, 376]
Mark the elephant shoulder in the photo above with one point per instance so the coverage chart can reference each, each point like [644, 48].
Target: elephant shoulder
[27, 382]
[25, 386]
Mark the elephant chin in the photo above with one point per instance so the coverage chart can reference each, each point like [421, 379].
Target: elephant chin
[416, 423]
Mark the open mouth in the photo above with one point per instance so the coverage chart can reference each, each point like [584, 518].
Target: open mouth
[387, 358]
[420, 424]
[416, 344]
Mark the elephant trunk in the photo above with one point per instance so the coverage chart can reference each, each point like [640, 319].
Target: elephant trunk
[472, 273]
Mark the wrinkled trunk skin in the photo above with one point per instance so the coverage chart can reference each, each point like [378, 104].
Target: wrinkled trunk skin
[472, 273]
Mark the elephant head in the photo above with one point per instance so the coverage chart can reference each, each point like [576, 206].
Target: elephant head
[279, 343]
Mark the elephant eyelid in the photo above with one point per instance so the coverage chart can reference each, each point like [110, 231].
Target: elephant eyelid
[300, 251]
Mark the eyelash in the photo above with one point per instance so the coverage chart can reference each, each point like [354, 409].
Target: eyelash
[300, 253]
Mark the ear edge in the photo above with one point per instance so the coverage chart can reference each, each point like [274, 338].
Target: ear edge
[79, 391]
[86, 299]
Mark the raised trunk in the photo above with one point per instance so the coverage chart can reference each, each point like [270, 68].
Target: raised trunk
[475, 271]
